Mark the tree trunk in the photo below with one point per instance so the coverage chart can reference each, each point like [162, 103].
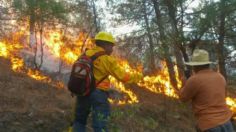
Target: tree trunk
[178, 47]
[35, 48]
[220, 46]
[32, 27]
[32, 38]
[60, 67]
[151, 44]
[41, 46]
[96, 22]
[170, 65]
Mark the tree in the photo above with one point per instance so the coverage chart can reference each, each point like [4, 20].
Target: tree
[151, 44]
[39, 14]
[179, 49]
[215, 24]
[164, 44]
[139, 12]
[221, 38]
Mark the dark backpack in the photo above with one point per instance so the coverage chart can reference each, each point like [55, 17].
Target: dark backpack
[82, 81]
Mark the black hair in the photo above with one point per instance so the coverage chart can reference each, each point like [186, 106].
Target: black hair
[201, 67]
[102, 43]
[204, 66]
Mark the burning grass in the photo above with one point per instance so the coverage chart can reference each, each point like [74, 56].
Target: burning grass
[53, 41]
[30, 105]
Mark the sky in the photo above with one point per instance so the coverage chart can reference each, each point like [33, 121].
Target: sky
[127, 28]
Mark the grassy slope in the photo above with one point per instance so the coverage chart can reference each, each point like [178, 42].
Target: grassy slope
[153, 113]
[27, 105]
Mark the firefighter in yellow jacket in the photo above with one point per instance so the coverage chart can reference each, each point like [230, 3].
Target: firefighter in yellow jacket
[97, 101]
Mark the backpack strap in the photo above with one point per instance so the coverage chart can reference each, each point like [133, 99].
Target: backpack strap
[101, 80]
[93, 58]
[96, 55]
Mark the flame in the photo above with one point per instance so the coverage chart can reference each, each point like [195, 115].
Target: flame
[7, 49]
[38, 76]
[157, 84]
[17, 64]
[231, 102]
[69, 51]
[54, 42]
[120, 87]
[70, 57]
[131, 97]
[3, 50]
[11, 49]
[161, 82]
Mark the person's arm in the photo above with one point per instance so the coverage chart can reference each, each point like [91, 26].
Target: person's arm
[113, 68]
[189, 90]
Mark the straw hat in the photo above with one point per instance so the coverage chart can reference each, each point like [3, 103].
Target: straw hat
[199, 57]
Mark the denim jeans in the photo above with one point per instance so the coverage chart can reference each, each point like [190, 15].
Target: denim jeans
[97, 103]
[227, 127]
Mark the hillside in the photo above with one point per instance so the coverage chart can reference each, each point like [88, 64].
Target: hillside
[27, 105]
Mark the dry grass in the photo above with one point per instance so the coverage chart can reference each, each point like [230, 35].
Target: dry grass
[27, 105]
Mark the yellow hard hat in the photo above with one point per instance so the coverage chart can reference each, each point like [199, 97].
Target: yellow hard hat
[104, 36]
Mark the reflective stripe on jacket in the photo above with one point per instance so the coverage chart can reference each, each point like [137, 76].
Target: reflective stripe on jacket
[108, 65]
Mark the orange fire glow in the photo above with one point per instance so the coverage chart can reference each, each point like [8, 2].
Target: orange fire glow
[38, 76]
[120, 87]
[3, 50]
[68, 53]
[54, 42]
[17, 64]
[11, 51]
[161, 82]
[231, 102]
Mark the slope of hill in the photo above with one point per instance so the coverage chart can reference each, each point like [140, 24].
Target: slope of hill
[27, 105]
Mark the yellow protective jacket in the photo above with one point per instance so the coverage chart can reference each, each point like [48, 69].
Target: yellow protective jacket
[107, 65]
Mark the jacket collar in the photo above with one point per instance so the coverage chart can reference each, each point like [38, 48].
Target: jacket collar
[97, 48]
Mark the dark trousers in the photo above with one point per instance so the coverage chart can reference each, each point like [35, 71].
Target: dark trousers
[226, 127]
[97, 103]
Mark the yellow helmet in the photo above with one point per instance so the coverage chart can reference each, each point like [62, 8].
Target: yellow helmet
[104, 36]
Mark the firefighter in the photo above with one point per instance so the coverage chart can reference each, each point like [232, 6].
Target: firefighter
[206, 89]
[97, 102]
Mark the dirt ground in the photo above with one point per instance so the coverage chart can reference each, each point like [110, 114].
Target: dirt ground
[27, 105]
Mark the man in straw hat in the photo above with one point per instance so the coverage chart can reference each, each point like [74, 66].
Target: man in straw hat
[206, 89]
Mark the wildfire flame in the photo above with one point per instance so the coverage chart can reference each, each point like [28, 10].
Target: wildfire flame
[56, 46]
[120, 87]
[53, 41]
[161, 82]
[11, 50]
[3, 50]
[38, 76]
[17, 64]
[231, 102]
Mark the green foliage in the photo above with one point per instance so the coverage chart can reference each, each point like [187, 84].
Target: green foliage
[150, 123]
[43, 10]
